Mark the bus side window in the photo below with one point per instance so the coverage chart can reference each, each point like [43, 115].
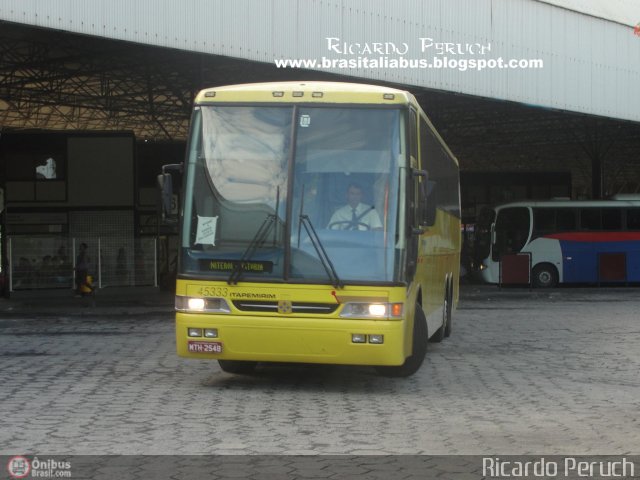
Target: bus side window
[633, 219]
[544, 220]
[590, 219]
[611, 218]
[566, 220]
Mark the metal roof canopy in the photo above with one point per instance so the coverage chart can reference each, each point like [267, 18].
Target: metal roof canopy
[52, 80]
[590, 52]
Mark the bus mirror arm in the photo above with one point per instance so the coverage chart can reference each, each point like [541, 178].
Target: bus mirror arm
[176, 167]
[419, 173]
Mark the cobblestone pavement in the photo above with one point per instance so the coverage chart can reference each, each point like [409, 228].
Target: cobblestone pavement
[523, 373]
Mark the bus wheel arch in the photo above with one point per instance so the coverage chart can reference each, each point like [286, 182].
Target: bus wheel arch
[544, 275]
[419, 349]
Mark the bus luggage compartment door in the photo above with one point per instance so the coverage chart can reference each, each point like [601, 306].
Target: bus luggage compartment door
[515, 269]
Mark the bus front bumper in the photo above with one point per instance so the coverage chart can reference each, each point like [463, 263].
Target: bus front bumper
[292, 339]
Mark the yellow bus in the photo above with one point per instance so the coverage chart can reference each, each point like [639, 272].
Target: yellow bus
[319, 223]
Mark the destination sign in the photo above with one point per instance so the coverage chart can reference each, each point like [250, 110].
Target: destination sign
[231, 265]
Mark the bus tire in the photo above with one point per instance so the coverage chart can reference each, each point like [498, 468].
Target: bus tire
[544, 275]
[449, 313]
[237, 366]
[413, 362]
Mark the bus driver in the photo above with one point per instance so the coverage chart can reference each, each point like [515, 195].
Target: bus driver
[355, 215]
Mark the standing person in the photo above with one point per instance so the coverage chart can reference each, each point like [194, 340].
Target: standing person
[355, 215]
[82, 268]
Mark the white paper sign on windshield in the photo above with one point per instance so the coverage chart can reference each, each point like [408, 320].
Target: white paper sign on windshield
[206, 233]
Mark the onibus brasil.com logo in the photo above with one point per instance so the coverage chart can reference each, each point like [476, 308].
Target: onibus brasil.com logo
[21, 467]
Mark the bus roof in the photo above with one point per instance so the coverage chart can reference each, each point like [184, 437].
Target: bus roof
[571, 203]
[306, 92]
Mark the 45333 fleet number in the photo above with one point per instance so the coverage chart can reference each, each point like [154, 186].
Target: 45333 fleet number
[213, 291]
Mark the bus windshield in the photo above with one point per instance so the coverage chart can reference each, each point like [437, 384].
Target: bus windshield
[482, 241]
[269, 187]
[511, 231]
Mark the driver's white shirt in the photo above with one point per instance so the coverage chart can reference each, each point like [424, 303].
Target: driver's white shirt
[344, 215]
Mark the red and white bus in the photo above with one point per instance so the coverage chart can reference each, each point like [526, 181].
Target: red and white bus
[568, 241]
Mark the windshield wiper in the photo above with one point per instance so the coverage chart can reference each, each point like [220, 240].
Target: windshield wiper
[305, 221]
[257, 241]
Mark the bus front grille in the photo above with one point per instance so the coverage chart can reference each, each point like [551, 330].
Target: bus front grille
[293, 307]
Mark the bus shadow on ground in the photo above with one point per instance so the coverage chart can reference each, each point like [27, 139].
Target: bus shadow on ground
[309, 377]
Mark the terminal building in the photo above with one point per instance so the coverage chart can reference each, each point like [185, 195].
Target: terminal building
[537, 99]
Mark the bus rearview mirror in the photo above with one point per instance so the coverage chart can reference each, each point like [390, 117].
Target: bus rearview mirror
[168, 201]
[165, 183]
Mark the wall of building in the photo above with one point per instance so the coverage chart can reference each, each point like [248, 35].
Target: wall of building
[64, 189]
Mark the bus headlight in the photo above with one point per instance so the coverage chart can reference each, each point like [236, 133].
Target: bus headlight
[205, 305]
[196, 304]
[375, 310]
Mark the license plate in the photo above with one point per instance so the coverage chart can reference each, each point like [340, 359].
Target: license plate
[205, 347]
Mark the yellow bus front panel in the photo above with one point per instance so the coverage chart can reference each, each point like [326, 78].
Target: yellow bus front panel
[293, 337]
[302, 340]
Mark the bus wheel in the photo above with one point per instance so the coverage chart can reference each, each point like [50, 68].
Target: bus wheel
[237, 366]
[413, 362]
[449, 309]
[544, 275]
